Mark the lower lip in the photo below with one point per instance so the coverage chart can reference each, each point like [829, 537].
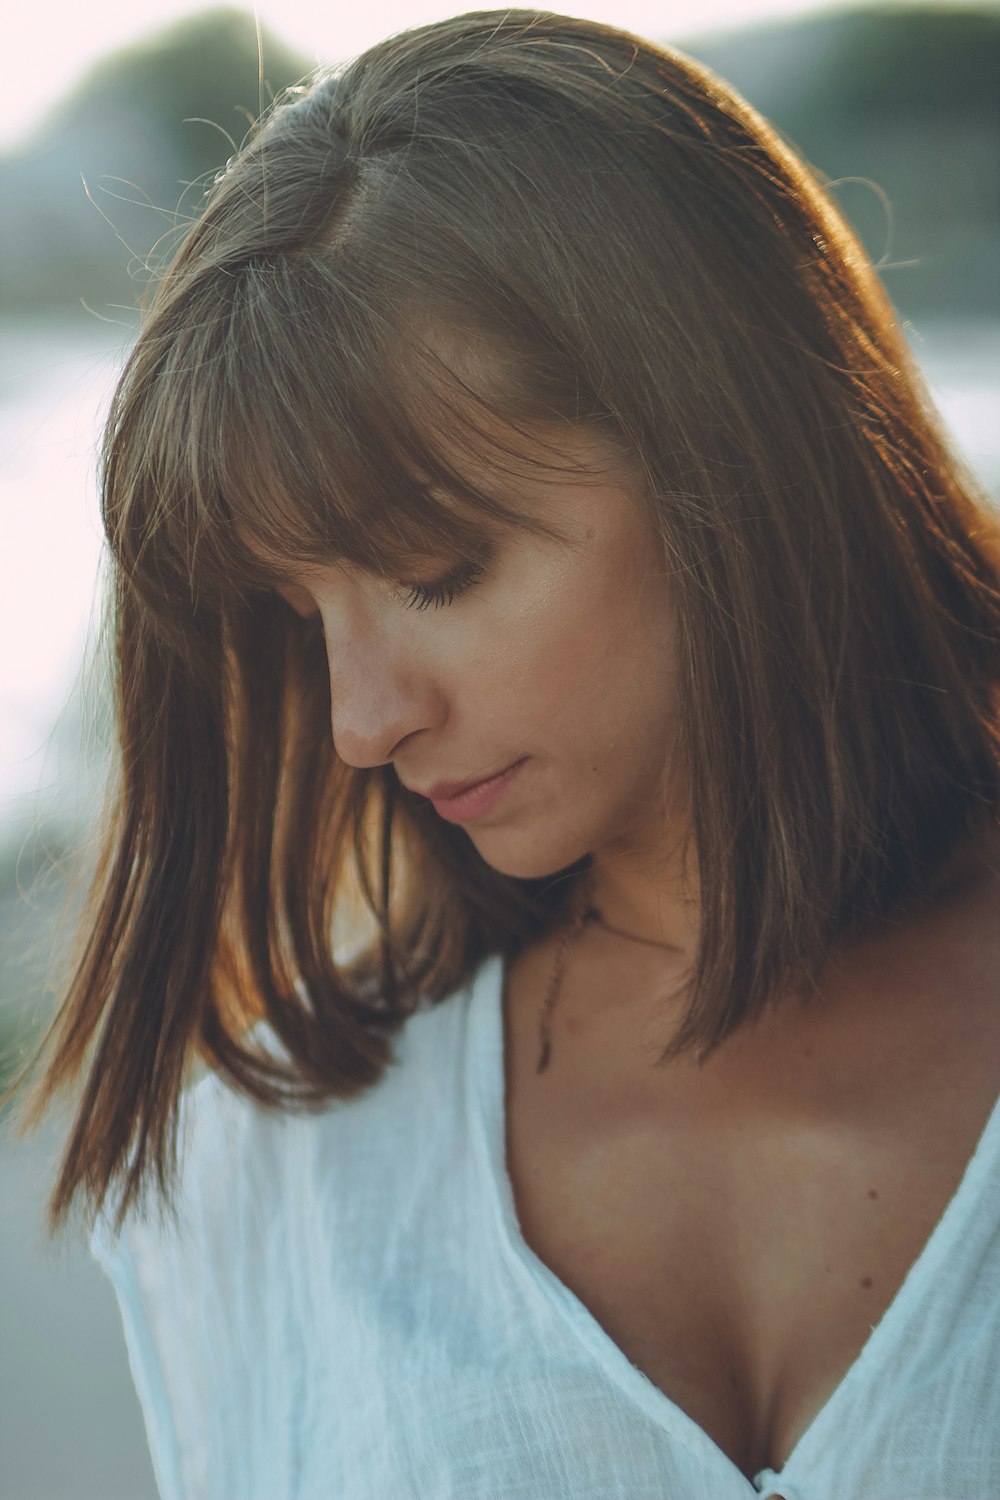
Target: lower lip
[478, 799]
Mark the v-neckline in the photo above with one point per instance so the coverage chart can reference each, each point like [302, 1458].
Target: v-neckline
[487, 1077]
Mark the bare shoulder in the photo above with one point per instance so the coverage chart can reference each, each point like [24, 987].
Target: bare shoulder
[925, 997]
[957, 948]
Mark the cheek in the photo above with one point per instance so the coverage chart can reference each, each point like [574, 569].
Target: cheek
[580, 660]
[539, 648]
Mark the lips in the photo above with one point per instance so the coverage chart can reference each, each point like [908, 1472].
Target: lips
[446, 791]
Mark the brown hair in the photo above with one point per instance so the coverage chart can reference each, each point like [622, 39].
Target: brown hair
[630, 249]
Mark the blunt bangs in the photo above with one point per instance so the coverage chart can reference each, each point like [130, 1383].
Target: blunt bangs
[299, 420]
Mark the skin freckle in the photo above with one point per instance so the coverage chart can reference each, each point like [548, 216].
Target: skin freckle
[866, 1282]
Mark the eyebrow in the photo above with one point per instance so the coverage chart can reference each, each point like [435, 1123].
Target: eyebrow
[271, 569]
[275, 572]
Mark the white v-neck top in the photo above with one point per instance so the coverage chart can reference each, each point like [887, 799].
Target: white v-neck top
[350, 1312]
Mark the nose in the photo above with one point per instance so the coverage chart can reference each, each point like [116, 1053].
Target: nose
[380, 695]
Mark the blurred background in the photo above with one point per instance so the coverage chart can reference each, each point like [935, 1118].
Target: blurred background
[114, 120]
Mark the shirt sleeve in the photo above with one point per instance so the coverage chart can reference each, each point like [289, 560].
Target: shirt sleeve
[117, 1261]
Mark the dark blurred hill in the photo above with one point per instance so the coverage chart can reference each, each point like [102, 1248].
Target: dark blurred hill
[906, 98]
[142, 126]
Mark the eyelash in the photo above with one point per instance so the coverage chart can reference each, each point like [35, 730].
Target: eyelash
[447, 589]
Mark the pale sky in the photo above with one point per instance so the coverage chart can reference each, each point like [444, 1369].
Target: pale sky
[53, 45]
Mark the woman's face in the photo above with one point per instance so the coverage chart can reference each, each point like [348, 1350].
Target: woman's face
[558, 659]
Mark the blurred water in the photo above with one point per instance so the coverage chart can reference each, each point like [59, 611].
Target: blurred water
[55, 384]
[70, 1424]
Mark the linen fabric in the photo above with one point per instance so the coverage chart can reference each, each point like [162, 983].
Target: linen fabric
[348, 1311]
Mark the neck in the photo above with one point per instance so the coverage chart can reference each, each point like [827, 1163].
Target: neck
[659, 905]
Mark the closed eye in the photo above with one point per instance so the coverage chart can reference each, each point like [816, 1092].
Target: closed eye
[445, 590]
[418, 595]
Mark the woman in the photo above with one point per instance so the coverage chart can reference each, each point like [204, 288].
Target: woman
[557, 663]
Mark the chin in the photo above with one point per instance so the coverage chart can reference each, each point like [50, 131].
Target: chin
[526, 859]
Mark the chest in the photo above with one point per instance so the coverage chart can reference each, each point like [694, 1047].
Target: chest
[739, 1261]
[743, 1289]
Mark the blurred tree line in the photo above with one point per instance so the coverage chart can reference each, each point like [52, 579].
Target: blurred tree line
[904, 99]
[121, 163]
[900, 109]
